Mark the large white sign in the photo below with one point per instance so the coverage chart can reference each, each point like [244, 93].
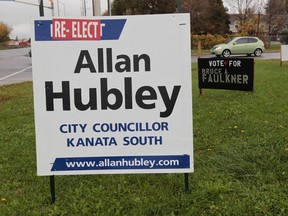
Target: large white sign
[113, 95]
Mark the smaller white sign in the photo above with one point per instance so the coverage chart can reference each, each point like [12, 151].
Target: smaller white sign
[284, 52]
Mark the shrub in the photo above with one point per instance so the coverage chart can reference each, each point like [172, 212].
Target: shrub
[284, 36]
[209, 40]
[5, 31]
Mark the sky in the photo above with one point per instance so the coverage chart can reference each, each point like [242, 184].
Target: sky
[19, 15]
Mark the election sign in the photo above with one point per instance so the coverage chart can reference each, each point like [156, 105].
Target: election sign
[230, 73]
[284, 53]
[113, 95]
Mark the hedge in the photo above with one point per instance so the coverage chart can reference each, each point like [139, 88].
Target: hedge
[208, 40]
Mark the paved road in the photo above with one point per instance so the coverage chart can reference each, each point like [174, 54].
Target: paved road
[265, 56]
[15, 66]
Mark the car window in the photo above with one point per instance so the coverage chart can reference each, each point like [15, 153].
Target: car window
[230, 41]
[252, 40]
[242, 41]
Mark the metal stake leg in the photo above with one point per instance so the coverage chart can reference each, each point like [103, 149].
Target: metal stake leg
[186, 182]
[52, 189]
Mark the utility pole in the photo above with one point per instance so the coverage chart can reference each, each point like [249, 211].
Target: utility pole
[96, 7]
[84, 7]
[179, 6]
[41, 8]
[109, 8]
[52, 7]
[40, 5]
[85, 10]
[58, 10]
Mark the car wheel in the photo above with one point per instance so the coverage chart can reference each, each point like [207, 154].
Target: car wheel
[226, 53]
[258, 52]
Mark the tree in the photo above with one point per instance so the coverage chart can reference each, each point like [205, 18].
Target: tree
[284, 36]
[218, 18]
[199, 13]
[275, 15]
[207, 16]
[259, 17]
[252, 26]
[5, 31]
[122, 7]
[244, 10]
[126, 7]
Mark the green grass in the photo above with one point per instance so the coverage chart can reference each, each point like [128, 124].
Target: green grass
[241, 160]
[274, 48]
[2, 46]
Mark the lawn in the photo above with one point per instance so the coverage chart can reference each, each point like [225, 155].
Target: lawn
[241, 160]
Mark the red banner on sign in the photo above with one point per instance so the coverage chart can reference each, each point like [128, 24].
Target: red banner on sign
[76, 29]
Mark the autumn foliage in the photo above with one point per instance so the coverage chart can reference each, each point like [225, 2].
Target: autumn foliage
[5, 31]
[208, 40]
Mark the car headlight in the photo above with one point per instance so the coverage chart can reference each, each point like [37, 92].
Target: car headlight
[218, 48]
